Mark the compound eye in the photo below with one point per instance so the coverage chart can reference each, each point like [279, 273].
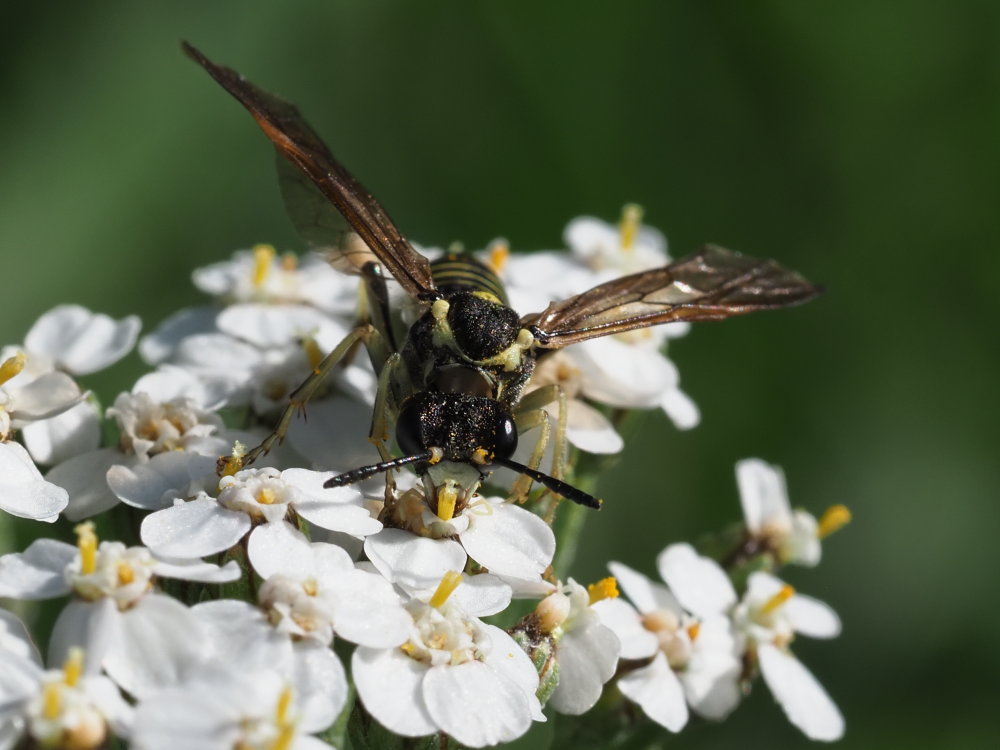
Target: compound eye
[505, 436]
[409, 434]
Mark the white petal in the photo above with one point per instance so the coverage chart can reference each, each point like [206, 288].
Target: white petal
[699, 583]
[711, 677]
[84, 478]
[169, 382]
[93, 626]
[509, 659]
[82, 341]
[509, 540]
[390, 684]
[335, 435]
[155, 484]
[646, 595]
[482, 594]
[762, 494]
[161, 344]
[23, 492]
[683, 412]
[75, 431]
[812, 617]
[334, 508]
[202, 572]
[38, 572]
[624, 621]
[658, 692]
[161, 640]
[275, 548]
[271, 326]
[590, 431]
[413, 561]
[805, 702]
[46, 396]
[193, 530]
[14, 637]
[587, 659]
[497, 709]
[321, 683]
[623, 375]
[238, 633]
[367, 611]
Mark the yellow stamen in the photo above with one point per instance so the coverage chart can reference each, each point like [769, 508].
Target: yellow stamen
[285, 738]
[310, 586]
[447, 499]
[125, 573]
[606, 588]
[86, 542]
[499, 253]
[12, 366]
[284, 703]
[267, 496]
[693, 630]
[834, 519]
[229, 465]
[628, 225]
[408, 648]
[786, 593]
[73, 668]
[313, 353]
[449, 582]
[52, 701]
[289, 262]
[263, 255]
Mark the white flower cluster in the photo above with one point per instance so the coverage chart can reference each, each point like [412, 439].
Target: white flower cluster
[214, 623]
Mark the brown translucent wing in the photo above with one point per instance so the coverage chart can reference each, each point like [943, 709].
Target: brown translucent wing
[712, 284]
[297, 142]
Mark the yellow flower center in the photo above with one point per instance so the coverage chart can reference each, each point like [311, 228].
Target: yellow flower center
[606, 588]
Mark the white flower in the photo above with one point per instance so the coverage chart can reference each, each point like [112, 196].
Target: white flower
[59, 707]
[207, 525]
[28, 396]
[23, 491]
[455, 674]
[585, 650]
[685, 630]
[312, 590]
[156, 439]
[627, 248]
[508, 540]
[792, 536]
[115, 614]
[69, 339]
[769, 616]
[226, 708]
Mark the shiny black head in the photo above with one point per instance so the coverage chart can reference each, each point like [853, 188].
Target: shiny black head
[456, 427]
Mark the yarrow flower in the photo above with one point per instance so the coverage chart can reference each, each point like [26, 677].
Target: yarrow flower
[413, 690]
[685, 630]
[769, 617]
[791, 536]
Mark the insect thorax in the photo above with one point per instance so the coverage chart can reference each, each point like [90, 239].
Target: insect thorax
[469, 340]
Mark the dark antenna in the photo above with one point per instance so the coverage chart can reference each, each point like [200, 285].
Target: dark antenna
[568, 491]
[356, 475]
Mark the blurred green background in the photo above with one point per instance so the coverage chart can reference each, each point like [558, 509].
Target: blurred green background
[858, 142]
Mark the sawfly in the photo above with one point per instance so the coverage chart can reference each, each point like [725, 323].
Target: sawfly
[452, 381]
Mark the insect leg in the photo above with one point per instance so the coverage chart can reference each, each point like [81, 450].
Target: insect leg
[532, 408]
[301, 395]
